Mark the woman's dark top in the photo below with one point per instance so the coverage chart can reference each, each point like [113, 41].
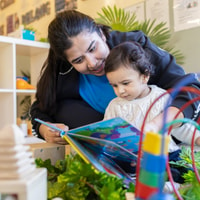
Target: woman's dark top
[73, 111]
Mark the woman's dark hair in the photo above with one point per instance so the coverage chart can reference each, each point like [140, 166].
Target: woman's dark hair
[66, 25]
[131, 55]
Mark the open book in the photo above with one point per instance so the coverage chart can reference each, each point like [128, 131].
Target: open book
[110, 146]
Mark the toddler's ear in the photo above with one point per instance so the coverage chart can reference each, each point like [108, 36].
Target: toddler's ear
[145, 78]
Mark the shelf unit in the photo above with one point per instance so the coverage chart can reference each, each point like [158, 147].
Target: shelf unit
[17, 55]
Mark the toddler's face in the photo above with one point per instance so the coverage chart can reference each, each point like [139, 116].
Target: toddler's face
[128, 83]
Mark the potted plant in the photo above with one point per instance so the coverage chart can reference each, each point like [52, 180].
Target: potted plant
[121, 20]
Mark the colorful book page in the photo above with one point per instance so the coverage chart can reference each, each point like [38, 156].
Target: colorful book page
[105, 156]
[110, 146]
[116, 130]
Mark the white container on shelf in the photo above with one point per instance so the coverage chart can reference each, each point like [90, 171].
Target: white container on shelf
[24, 126]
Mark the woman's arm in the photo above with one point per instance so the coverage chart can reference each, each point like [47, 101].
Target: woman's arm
[167, 72]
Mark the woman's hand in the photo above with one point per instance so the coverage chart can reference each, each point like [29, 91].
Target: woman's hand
[53, 136]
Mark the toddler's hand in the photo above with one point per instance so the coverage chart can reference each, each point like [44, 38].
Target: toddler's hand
[197, 141]
[151, 127]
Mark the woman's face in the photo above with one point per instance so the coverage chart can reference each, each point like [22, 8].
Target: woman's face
[88, 53]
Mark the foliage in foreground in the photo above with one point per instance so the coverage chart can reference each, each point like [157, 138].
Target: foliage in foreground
[73, 179]
[190, 189]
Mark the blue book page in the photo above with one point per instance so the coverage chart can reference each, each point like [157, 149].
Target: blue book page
[116, 130]
[106, 147]
[104, 156]
[110, 146]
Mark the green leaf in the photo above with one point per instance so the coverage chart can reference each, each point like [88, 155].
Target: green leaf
[190, 189]
[121, 20]
[73, 179]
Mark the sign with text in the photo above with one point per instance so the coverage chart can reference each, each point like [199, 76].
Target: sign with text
[5, 3]
[16, 13]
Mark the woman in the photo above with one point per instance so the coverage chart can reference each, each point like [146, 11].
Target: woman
[73, 89]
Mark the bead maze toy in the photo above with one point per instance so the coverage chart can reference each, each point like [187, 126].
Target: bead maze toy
[153, 151]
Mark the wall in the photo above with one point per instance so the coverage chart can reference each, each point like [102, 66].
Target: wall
[187, 41]
[38, 12]
[29, 9]
[91, 7]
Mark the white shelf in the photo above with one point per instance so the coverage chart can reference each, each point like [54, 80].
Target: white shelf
[18, 55]
[6, 90]
[25, 91]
